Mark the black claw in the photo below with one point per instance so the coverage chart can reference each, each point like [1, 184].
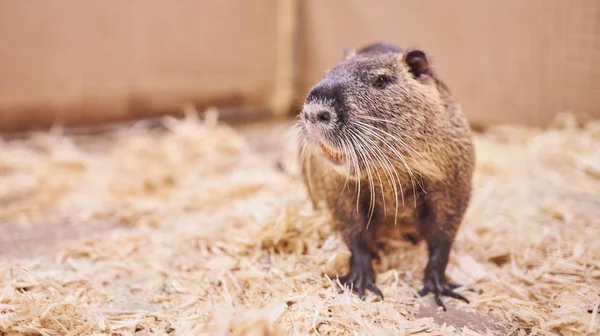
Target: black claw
[376, 290]
[439, 286]
[358, 283]
[361, 276]
[452, 285]
[361, 293]
[439, 302]
[456, 296]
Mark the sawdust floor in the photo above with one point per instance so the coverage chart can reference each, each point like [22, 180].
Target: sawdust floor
[96, 231]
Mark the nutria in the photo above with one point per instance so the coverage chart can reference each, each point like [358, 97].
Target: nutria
[386, 149]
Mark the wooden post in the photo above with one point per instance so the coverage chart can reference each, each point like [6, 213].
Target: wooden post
[285, 82]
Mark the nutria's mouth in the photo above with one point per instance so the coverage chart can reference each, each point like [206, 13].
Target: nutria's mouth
[332, 155]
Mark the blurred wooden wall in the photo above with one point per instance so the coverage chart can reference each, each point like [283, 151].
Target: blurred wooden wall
[506, 61]
[88, 62]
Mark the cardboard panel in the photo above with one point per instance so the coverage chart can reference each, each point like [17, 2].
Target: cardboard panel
[82, 62]
[506, 61]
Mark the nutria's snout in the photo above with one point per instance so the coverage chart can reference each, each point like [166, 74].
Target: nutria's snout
[320, 124]
[316, 116]
[319, 114]
[321, 121]
[326, 102]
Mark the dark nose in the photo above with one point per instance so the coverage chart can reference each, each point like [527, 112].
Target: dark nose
[321, 117]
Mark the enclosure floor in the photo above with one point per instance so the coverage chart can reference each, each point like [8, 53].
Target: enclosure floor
[194, 230]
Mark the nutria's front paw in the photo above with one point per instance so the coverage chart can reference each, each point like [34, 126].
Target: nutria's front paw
[359, 280]
[439, 286]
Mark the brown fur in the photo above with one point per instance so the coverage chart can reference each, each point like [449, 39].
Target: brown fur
[422, 114]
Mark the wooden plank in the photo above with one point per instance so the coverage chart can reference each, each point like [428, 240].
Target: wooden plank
[509, 61]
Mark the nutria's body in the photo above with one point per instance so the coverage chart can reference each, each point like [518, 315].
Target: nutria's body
[386, 148]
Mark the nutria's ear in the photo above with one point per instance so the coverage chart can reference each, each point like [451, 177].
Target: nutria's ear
[417, 63]
[349, 52]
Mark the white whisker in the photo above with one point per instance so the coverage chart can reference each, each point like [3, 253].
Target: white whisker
[373, 131]
[390, 135]
[344, 145]
[391, 172]
[363, 154]
[368, 149]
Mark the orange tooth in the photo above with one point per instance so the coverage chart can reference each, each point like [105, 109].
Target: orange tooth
[330, 153]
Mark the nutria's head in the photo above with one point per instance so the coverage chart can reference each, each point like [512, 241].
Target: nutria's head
[371, 109]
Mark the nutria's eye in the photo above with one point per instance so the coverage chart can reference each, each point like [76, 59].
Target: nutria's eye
[381, 81]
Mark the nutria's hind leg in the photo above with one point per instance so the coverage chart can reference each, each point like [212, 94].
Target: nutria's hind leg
[361, 276]
[359, 231]
[438, 223]
[435, 279]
